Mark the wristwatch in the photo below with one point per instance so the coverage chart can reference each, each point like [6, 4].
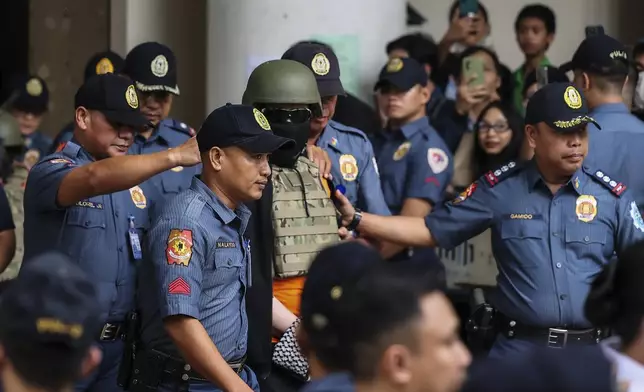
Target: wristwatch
[357, 217]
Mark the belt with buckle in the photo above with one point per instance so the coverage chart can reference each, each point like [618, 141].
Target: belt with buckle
[551, 337]
[177, 370]
[111, 332]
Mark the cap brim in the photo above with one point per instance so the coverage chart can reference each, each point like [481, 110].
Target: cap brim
[330, 88]
[399, 83]
[582, 122]
[567, 67]
[132, 119]
[266, 143]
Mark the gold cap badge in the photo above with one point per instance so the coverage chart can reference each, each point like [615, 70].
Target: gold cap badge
[104, 66]
[394, 65]
[320, 64]
[261, 120]
[34, 87]
[131, 97]
[572, 98]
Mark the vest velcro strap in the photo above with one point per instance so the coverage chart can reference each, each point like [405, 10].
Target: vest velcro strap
[293, 269]
[298, 249]
[297, 195]
[305, 230]
[295, 212]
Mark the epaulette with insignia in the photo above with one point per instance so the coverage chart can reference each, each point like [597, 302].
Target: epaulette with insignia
[345, 128]
[180, 126]
[493, 177]
[616, 188]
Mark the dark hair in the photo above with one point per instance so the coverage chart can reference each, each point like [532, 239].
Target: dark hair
[379, 310]
[420, 47]
[484, 162]
[506, 89]
[4, 284]
[454, 7]
[538, 11]
[474, 50]
[616, 298]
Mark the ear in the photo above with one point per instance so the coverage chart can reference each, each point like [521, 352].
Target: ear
[91, 361]
[428, 70]
[216, 155]
[585, 80]
[550, 38]
[396, 364]
[424, 94]
[530, 135]
[83, 118]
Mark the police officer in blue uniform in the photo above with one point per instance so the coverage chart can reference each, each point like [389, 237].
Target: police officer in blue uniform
[555, 222]
[89, 202]
[354, 166]
[99, 64]
[153, 67]
[49, 317]
[601, 67]
[28, 104]
[416, 164]
[194, 315]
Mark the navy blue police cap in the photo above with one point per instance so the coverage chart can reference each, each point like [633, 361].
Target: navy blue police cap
[555, 75]
[153, 67]
[402, 73]
[331, 277]
[115, 97]
[561, 106]
[322, 60]
[52, 303]
[30, 94]
[240, 126]
[102, 63]
[599, 54]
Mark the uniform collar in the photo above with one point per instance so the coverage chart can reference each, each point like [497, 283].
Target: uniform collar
[74, 148]
[533, 178]
[223, 211]
[610, 108]
[329, 138]
[410, 129]
[162, 131]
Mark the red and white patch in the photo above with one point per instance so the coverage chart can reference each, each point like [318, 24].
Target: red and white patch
[179, 286]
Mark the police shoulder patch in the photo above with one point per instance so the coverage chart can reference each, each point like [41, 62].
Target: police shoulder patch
[180, 126]
[494, 177]
[616, 187]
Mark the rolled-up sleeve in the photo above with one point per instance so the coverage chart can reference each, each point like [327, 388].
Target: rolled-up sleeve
[43, 182]
[177, 251]
[463, 218]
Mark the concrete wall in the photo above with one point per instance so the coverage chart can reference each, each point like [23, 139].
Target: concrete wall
[63, 35]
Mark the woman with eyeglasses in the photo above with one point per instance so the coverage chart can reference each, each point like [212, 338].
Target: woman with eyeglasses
[499, 138]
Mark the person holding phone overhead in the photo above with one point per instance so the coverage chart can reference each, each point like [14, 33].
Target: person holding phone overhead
[478, 80]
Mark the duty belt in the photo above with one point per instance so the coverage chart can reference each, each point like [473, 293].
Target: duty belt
[110, 332]
[177, 370]
[551, 337]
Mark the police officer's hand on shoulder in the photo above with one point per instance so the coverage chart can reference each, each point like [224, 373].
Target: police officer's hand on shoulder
[321, 159]
[186, 154]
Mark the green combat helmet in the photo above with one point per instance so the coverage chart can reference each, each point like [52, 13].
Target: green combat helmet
[283, 82]
[10, 135]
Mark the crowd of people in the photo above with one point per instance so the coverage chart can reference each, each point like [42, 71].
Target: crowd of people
[288, 243]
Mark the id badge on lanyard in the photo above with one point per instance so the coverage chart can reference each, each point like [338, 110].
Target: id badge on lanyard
[135, 242]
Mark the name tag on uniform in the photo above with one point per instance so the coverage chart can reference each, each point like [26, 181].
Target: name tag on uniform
[89, 204]
[225, 244]
[523, 216]
[135, 242]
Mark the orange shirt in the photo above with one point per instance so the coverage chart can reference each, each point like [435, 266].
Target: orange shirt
[289, 292]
